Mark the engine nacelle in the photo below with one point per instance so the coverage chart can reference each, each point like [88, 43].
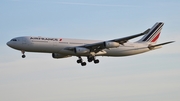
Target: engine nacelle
[57, 55]
[81, 50]
[111, 44]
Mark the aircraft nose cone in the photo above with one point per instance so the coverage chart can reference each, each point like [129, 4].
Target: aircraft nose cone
[8, 43]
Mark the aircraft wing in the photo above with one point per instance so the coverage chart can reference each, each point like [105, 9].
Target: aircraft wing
[96, 47]
[125, 39]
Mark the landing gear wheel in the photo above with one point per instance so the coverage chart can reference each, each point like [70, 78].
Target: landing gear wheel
[96, 61]
[90, 60]
[83, 64]
[79, 61]
[23, 56]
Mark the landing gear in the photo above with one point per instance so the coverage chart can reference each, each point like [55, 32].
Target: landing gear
[92, 58]
[23, 56]
[89, 58]
[83, 64]
[80, 60]
[96, 61]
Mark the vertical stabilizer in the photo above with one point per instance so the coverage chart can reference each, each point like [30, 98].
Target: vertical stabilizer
[153, 34]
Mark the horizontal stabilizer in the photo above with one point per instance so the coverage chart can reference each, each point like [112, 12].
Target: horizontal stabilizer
[154, 46]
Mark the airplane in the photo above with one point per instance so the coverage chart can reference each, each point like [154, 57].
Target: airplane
[65, 47]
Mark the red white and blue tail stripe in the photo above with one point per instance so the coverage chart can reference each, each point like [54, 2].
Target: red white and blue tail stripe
[153, 34]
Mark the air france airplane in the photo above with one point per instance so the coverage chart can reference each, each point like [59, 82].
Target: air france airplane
[63, 47]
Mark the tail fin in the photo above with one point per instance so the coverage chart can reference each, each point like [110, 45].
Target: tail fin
[153, 34]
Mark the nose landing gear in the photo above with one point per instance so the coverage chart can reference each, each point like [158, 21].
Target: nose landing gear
[23, 52]
[23, 56]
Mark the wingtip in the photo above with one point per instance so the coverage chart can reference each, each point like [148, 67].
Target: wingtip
[171, 41]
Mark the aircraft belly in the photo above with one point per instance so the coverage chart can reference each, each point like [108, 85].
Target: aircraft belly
[63, 51]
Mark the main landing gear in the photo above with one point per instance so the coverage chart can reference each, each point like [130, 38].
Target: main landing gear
[23, 56]
[89, 58]
[92, 58]
[80, 60]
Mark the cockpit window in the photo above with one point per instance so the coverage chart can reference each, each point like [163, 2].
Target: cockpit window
[13, 40]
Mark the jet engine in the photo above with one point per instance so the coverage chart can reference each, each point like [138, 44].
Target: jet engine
[81, 50]
[111, 44]
[57, 55]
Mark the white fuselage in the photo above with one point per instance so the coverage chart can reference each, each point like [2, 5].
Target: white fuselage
[58, 45]
[64, 47]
